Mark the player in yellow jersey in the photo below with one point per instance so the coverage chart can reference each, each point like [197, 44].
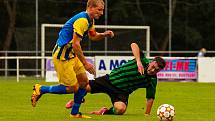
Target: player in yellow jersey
[68, 58]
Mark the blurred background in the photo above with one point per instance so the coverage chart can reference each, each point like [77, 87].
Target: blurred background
[178, 28]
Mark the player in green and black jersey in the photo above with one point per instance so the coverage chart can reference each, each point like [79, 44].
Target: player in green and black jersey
[122, 81]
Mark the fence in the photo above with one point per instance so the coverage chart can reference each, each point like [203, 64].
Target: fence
[18, 64]
[204, 64]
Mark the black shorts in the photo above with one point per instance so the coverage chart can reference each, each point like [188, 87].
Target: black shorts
[103, 85]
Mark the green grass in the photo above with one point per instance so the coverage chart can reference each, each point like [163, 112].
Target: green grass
[192, 101]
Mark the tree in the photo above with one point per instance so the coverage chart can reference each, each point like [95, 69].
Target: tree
[11, 10]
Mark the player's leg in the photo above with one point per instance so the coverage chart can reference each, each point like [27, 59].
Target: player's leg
[79, 95]
[67, 84]
[94, 86]
[119, 99]
[70, 103]
[83, 82]
[67, 79]
[119, 108]
[39, 90]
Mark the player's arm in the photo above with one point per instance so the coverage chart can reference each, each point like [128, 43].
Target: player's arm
[150, 95]
[79, 27]
[149, 104]
[95, 36]
[77, 48]
[79, 53]
[136, 52]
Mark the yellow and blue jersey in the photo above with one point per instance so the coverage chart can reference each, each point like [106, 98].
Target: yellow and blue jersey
[79, 24]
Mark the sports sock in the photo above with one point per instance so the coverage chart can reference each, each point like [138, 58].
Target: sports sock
[110, 111]
[77, 100]
[56, 89]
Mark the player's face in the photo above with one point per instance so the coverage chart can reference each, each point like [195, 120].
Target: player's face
[98, 10]
[153, 68]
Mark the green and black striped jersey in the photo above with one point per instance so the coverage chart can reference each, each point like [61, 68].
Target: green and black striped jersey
[127, 78]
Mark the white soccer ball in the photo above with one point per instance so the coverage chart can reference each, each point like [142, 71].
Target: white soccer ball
[166, 112]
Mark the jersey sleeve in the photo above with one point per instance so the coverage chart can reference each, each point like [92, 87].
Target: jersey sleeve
[151, 89]
[80, 26]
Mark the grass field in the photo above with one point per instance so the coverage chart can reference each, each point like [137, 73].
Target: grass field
[192, 101]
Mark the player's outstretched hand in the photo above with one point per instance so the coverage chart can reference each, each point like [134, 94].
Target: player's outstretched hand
[109, 33]
[90, 68]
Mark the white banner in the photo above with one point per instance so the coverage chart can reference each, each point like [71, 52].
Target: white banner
[175, 68]
[104, 64]
[206, 66]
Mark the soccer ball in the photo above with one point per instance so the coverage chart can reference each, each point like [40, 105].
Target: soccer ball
[166, 112]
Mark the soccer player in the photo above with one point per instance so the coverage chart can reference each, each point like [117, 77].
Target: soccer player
[68, 58]
[122, 81]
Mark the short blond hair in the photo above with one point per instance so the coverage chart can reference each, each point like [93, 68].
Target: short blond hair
[93, 3]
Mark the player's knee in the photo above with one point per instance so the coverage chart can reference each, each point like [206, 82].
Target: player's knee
[82, 80]
[69, 89]
[72, 89]
[120, 108]
[83, 84]
[120, 111]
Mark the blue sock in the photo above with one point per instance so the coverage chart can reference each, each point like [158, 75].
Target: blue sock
[77, 100]
[56, 89]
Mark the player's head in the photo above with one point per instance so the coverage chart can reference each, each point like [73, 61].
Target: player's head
[156, 65]
[95, 8]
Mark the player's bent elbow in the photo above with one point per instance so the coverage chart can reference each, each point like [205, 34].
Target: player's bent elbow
[133, 44]
[75, 45]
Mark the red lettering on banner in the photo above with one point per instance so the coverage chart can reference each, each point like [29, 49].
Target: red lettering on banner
[179, 66]
[168, 65]
[182, 66]
[174, 75]
[187, 75]
[186, 66]
[160, 74]
[168, 75]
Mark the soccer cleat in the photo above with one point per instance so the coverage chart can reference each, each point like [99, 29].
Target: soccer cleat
[36, 94]
[100, 112]
[79, 115]
[70, 103]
